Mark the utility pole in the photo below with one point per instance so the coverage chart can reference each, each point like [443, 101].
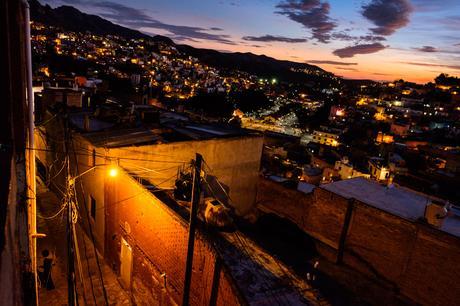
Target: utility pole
[71, 279]
[31, 143]
[196, 190]
[70, 249]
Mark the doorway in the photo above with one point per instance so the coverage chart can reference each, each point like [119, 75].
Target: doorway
[126, 259]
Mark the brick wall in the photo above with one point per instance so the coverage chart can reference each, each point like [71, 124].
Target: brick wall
[158, 238]
[408, 258]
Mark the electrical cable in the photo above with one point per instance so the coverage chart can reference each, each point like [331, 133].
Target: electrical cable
[113, 157]
[54, 215]
[90, 228]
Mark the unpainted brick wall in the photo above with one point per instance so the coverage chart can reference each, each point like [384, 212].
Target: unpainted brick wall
[411, 258]
[159, 241]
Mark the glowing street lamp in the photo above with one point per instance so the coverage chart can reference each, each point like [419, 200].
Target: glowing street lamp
[113, 172]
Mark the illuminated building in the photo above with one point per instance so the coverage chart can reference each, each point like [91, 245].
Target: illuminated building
[384, 138]
[378, 170]
[326, 138]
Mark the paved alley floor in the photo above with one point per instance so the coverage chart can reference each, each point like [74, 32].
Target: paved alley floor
[48, 204]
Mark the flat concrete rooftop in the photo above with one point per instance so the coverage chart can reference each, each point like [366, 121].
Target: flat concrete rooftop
[396, 200]
[167, 130]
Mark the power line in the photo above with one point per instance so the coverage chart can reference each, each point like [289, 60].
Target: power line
[90, 228]
[63, 206]
[113, 157]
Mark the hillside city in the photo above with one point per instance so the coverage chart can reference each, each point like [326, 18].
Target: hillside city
[392, 130]
[143, 171]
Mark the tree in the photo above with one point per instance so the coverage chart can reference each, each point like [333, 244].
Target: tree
[445, 79]
[211, 104]
[250, 100]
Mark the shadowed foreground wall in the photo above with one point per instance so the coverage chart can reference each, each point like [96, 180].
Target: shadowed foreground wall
[158, 238]
[409, 258]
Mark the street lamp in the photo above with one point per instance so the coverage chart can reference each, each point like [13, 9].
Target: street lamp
[112, 172]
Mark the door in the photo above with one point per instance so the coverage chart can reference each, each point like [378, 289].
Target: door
[126, 259]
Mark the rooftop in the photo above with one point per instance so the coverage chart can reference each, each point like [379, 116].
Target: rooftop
[305, 187]
[169, 129]
[396, 200]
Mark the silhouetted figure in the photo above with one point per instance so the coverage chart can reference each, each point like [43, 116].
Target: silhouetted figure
[45, 275]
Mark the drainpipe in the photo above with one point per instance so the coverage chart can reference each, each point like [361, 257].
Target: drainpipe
[32, 180]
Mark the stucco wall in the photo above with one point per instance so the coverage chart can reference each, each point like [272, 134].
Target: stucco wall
[234, 161]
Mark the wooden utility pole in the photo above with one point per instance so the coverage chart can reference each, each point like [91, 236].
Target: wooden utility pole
[72, 298]
[196, 190]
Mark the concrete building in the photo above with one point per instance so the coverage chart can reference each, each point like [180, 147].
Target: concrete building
[53, 95]
[378, 169]
[384, 138]
[346, 170]
[326, 138]
[160, 152]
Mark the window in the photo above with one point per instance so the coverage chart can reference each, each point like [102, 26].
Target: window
[93, 207]
[94, 157]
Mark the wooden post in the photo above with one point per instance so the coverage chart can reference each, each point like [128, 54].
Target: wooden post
[343, 235]
[196, 190]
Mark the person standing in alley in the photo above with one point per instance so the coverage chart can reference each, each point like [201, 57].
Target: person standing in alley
[45, 275]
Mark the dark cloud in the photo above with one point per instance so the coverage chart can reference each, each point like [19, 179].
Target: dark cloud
[427, 49]
[312, 14]
[321, 62]
[346, 68]
[373, 38]
[358, 49]
[267, 38]
[136, 18]
[379, 73]
[343, 36]
[357, 39]
[387, 15]
[454, 67]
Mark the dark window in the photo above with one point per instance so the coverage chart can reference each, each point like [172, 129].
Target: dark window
[93, 208]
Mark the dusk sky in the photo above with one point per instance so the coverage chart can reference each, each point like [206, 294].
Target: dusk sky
[377, 39]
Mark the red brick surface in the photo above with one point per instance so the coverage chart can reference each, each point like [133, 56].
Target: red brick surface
[159, 240]
[419, 262]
